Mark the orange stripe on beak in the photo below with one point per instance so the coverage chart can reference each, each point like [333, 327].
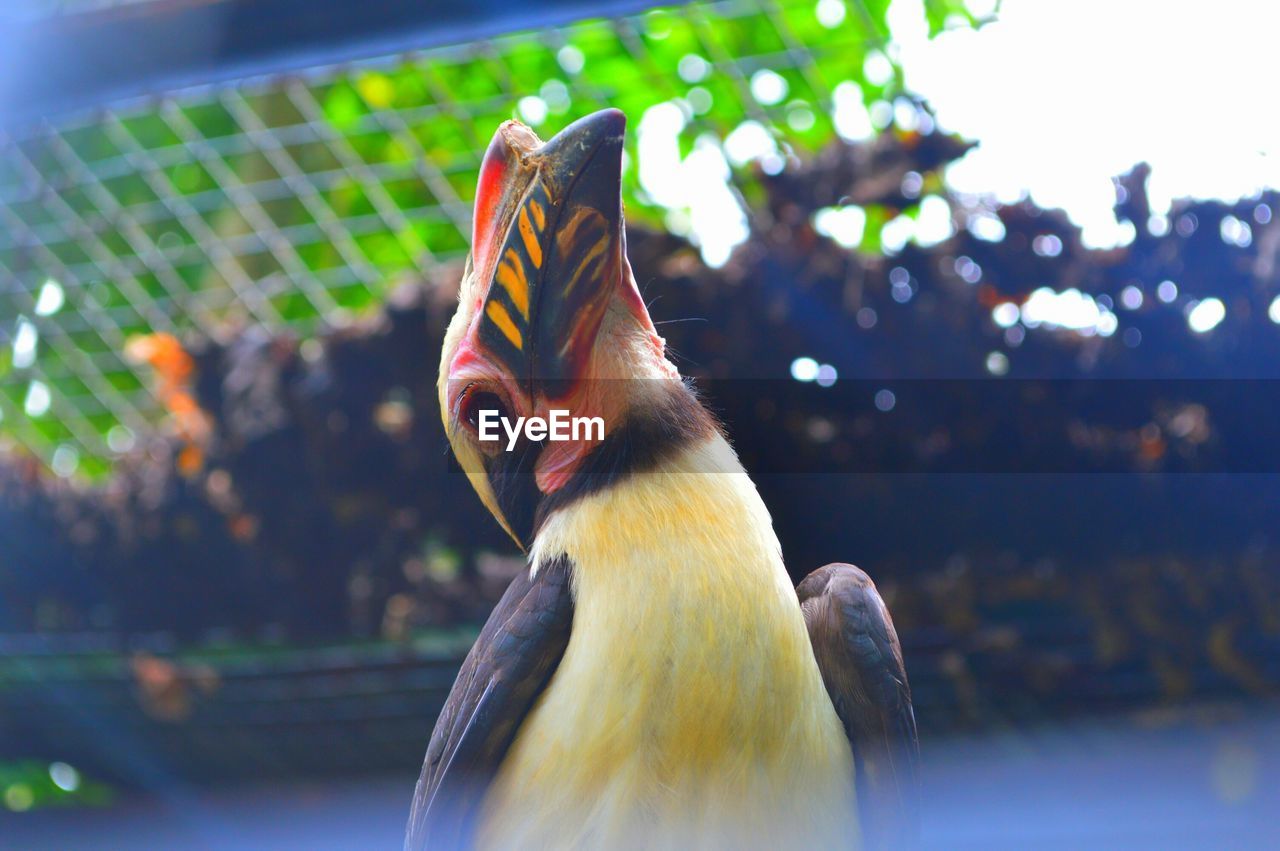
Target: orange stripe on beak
[512, 279]
[498, 314]
[531, 245]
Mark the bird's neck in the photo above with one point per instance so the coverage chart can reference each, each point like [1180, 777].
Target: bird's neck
[664, 422]
[695, 493]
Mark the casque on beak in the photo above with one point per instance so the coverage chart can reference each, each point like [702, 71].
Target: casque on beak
[552, 253]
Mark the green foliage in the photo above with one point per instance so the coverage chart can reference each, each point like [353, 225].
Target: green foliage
[31, 785]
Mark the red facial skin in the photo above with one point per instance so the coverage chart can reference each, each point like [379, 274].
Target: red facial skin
[593, 393]
[473, 369]
[494, 171]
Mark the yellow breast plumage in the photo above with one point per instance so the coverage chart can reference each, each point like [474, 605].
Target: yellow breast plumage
[688, 710]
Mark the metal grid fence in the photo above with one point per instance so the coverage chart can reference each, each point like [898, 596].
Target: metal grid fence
[295, 201]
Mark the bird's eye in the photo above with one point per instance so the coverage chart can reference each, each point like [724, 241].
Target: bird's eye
[478, 401]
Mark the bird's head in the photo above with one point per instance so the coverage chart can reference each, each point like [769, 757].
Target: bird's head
[549, 314]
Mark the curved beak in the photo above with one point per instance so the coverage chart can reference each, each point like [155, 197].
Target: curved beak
[549, 245]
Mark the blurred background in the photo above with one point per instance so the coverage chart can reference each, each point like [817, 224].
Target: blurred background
[986, 294]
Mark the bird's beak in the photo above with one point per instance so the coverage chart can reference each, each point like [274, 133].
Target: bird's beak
[548, 280]
[548, 248]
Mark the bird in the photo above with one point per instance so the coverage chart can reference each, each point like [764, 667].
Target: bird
[651, 677]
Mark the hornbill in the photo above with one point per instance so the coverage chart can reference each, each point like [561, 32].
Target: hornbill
[652, 678]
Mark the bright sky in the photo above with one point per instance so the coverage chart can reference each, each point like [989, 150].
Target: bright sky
[1065, 94]
[1062, 96]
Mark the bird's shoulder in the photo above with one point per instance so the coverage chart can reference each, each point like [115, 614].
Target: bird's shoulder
[860, 657]
[506, 670]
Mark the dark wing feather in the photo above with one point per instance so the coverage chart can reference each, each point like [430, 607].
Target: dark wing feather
[858, 653]
[508, 667]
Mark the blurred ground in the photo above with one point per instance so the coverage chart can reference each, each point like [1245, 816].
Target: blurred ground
[1205, 778]
[1159, 783]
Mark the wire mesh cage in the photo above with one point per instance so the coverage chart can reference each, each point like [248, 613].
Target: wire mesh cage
[295, 200]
